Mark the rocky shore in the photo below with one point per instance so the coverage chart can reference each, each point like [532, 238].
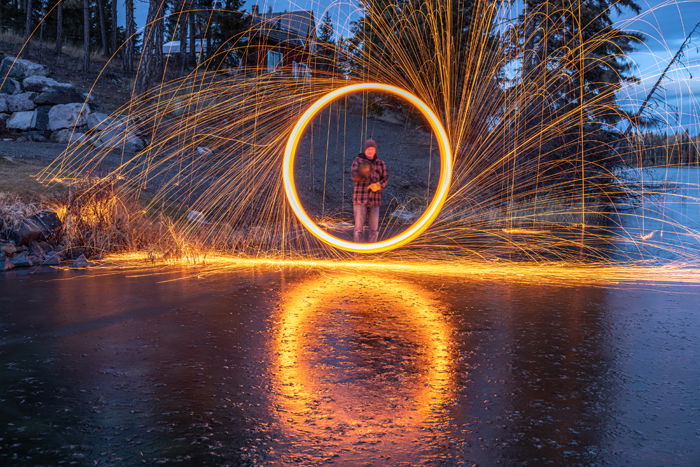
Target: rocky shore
[35, 240]
[35, 107]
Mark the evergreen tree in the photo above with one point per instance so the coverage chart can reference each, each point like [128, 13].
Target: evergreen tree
[576, 61]
[326, 54]
[228, 27]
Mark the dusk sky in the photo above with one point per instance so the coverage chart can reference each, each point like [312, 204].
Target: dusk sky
[665, 24]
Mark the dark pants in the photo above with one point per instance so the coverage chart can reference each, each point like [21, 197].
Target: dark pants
[361, 214]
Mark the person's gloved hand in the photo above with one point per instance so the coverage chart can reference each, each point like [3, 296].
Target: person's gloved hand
[364, 170]
[375, 187]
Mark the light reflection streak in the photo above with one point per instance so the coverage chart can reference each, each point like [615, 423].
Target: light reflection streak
[329, 386]
[554, 273]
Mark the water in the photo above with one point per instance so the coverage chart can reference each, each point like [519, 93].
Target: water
[288, 365]
[664, 222]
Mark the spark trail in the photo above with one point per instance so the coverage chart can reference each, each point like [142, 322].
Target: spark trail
[540, 164]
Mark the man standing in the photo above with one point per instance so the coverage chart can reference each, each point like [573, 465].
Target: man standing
[369, 176]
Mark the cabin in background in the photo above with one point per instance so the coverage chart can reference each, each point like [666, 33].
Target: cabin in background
[282, 42]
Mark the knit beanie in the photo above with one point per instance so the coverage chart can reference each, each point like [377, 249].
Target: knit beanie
[370, 143]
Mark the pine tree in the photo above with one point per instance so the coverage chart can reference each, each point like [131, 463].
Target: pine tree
[576, 61]
[326, 54]
[228, 27]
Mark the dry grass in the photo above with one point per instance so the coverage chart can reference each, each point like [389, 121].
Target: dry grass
[97, 219]
[17, 179]
[101, 218]
[48, 47]
[13, 208]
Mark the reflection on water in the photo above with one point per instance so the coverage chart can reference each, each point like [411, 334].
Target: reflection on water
[363, 366]
[267, 366]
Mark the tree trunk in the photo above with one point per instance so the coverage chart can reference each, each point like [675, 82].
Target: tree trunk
[59, 28]
[182, 20]
[192, 19]
[114, 25]
[129, 32]
[103, 28]
[27, 24]
[150, 62]
[86, 35]
[42, 23]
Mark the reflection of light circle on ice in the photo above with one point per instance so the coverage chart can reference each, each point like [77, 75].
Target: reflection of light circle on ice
[423, 221]
[296, 378]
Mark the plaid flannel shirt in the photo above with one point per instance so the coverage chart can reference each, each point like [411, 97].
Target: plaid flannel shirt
[361, 194]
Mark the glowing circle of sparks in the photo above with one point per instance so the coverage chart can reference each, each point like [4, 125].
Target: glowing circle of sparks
[420, 224]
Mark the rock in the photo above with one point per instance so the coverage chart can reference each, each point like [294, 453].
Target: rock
[198, 217]
[116, 137]
[49, 220]
[67, 116]
[22, 120]
[27, 231]
[81, 262]
[37, 137]
[10, 86]
[42, 83]
[21, 260]
[204, 151]
[39, 226]
[404, 214]
[51, 260]
[42, 117]
[59, 95]
[3, 103]
[8, 249]
[21, 102]
[36, 249]
[19, 68]
[68, 136]
[101, 121]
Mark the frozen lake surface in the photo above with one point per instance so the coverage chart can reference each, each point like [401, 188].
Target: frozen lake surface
[289, 365]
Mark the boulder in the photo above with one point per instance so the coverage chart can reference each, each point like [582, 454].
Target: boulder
[42, 83]
[42, 117]
[21, 260]
[10, 86]
[19, 68]
[67, 116]
[51, 259]
[3, 102]
[64, 94]
[37, 136]
[99, 121]
[22, 120]
[39, 226]
[81, 262]
[204, 151]
[49, 220]
[68, 136]
[8, 249]
[116, 138]
[21, 102]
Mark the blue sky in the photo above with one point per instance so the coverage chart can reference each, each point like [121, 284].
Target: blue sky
[664, 23]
